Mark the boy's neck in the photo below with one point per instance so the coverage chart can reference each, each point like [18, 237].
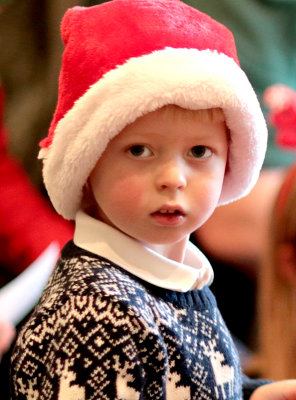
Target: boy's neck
[175, 251]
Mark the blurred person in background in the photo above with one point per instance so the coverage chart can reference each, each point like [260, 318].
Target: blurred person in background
[276, 354]
[277, 289]
[28, 223]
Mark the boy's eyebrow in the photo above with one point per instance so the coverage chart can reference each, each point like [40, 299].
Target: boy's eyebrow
[193, 140]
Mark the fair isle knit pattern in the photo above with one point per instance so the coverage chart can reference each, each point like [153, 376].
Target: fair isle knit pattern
[99, 333]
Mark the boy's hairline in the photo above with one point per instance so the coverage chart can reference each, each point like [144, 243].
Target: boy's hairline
[211, 114]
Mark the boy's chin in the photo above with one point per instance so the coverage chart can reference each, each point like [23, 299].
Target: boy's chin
[166, 242]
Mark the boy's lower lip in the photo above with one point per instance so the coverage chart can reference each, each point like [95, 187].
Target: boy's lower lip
[168, 219]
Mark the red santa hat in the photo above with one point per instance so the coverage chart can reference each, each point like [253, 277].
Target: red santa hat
[125, 58]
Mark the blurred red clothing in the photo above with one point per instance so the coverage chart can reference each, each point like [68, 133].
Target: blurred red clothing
[28, 223]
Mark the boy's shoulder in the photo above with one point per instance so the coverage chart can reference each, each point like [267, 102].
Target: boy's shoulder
[80, 272]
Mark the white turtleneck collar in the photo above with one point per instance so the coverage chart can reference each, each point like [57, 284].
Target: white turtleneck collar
[103, 240]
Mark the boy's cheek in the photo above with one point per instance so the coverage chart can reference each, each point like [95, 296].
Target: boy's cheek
[130, 193]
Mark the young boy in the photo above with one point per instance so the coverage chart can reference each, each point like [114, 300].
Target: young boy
[156, 125]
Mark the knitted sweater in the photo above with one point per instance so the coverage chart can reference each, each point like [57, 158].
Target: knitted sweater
[99, 332]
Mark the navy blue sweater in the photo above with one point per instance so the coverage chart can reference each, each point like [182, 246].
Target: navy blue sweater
[99, 332]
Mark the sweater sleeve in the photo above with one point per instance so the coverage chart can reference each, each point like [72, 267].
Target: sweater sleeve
[89, 349]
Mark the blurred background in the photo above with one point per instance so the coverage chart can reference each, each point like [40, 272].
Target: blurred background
[30, 57]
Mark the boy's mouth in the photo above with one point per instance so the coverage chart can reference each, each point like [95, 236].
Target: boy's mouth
[169, 215]
[170, 212]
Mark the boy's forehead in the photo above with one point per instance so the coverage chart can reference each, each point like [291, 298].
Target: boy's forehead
[163, 121]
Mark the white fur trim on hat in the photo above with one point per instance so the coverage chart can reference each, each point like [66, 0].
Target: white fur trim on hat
[189, 78]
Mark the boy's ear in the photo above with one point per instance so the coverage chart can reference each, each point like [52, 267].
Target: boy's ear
[86, 190]
[88, 200]
[287, 263]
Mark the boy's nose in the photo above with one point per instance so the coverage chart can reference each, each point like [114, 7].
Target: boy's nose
[171, 177]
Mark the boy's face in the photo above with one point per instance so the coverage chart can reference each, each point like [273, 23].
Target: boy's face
[161, 177]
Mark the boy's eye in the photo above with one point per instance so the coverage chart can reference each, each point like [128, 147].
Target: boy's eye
[200, 152]
[139, 150]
